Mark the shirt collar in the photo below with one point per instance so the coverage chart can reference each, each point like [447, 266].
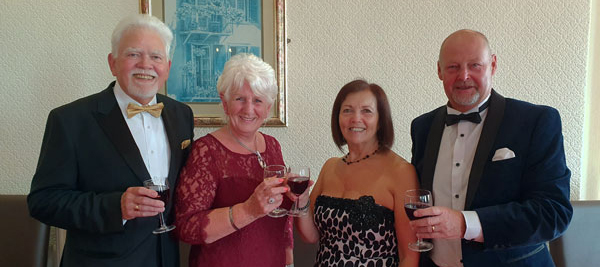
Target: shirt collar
[123, 99]
[474, 109]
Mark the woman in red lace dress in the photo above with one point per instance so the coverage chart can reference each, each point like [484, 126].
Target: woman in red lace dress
[221, 198]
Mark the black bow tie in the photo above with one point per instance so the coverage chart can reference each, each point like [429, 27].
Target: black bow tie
[473, 117]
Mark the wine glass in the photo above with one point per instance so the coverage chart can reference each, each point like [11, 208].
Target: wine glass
[413, 200]
[161, 186]
[278, 171]
[298, 179]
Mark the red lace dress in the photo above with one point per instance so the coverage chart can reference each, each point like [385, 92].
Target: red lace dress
[215, 177]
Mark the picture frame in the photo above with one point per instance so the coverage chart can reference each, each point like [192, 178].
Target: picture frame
[274, 52]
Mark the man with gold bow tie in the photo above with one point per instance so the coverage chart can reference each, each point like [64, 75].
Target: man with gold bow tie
[98, 151]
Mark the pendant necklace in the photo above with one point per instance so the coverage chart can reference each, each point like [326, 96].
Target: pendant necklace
[261, 161]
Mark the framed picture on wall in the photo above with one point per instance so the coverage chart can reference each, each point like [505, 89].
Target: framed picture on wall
[206, 33]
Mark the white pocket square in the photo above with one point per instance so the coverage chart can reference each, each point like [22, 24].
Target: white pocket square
[503, 153]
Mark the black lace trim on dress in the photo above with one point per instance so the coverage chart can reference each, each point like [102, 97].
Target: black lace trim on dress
[363, 212]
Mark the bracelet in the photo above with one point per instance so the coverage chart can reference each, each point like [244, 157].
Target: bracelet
[305, 206]
[231, 219]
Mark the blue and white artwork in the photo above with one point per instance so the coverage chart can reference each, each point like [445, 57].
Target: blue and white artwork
[206, 34]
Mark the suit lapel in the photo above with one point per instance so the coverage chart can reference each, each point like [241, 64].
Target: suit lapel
[169, 120]
[111, 121]
[486, 142]
[432, 148]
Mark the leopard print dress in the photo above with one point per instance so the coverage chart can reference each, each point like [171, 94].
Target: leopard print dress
[355, 232]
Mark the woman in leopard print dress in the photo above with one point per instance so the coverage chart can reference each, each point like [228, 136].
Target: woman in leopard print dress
[357, 204]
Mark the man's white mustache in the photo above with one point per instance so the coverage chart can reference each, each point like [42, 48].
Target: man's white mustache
[144, 72]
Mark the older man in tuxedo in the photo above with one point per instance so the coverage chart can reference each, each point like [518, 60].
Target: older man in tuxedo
[97, 152]
[496, 167]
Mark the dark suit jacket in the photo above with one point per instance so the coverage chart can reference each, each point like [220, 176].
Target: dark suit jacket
[88, 159]
[521, 202]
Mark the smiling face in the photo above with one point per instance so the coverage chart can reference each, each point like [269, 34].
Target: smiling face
[466, 67]
[245, 110]
[141, 67]
[358, 118]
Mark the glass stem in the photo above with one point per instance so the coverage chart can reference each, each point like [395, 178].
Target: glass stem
[162, 220]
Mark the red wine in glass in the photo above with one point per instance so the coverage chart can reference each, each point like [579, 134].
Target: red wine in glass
[298, 184]
[163, 194]
[410, 209]
[298, 179]
[413, 200]
[161, 186]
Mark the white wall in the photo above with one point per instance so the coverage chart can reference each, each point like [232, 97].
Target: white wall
[54, 52]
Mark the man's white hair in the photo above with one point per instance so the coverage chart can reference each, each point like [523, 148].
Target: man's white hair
[141, 21]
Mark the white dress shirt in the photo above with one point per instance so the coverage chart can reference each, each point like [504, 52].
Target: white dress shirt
[450, 182]
[149, 134]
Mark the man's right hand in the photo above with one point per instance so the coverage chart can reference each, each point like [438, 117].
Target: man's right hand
[439, 222]
[140, 202]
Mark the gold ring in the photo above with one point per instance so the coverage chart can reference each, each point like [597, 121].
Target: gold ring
[137, 207]
[432, 228]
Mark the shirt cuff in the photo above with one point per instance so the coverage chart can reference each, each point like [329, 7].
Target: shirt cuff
[473, 226]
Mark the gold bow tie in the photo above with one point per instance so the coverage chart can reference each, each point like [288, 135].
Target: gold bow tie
[154, 110]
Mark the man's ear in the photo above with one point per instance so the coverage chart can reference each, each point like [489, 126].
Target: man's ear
[493, 63]
[111, 64]
[168, 71]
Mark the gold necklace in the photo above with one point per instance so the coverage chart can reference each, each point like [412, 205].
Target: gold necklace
[261, 161]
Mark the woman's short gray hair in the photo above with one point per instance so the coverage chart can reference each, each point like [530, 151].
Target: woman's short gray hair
[141, 21]
[249, 68]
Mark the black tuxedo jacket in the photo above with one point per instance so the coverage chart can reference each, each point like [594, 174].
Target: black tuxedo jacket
[88, 159]
[523, 201]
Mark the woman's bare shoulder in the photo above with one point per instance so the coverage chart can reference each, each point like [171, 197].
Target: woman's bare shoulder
[331, 162]
[396, 161]
[400, 170]
[329, 166]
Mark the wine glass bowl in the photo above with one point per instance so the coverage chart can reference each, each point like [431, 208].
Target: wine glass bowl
[161, 186]
[278, 171]
[298, 184]
[297, 180]
[413, 200]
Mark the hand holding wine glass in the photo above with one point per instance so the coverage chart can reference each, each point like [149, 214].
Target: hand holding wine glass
[298, 179]
[161, 186]
[413, 200]
[278, 171]
[140, 202]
